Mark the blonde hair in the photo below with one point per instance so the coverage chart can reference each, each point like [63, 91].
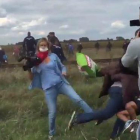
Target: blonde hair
[43, 40]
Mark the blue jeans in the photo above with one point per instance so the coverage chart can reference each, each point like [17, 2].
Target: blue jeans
[51, 99]
[114, 105]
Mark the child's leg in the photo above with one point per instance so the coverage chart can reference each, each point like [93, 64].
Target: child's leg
[131, 107]
[123, 115]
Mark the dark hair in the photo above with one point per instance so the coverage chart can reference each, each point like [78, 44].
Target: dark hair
[137, 31]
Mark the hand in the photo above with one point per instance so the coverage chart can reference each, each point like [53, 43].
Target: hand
[64, 74]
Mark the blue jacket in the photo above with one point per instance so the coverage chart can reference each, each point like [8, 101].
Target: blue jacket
[42, 74]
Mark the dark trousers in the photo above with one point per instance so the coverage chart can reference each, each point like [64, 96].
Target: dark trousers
[114, 105]
[117, 129]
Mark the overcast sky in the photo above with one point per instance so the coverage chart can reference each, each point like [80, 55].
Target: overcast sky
[96, 19]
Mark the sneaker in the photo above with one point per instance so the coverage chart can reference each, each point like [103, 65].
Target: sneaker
[127, 125]
[50, 137]
[135, 125]
[99, 122]
[72, 120]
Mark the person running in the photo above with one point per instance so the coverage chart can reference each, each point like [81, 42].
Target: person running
[125, 45]
[79, 47]
[114, 105]
[71, 49]
[131, 95]
[55, 48]
[50, 77]
[109, 46]
[29, 45]
[97, 46]
[3, 57]
[52, 35]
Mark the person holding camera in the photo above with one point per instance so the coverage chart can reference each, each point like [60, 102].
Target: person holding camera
[131, 60]
[50, 77]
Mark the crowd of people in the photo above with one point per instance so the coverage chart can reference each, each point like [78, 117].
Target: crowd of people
[124, 98]
[121, 83]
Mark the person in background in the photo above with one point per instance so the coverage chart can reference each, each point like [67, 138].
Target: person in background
[97, 46]
[55, 48]
[79, 47]
[71, 49]
[16, 52]
[109, 46]
[55, 41]
[29, 45]
[3, 56]
[50, 77]
[52, 35]
[125, 45]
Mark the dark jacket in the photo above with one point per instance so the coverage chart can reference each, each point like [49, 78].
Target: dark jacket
[59, 52]
[108, 73]
[2, 53]
[129, 86]
[29, 44]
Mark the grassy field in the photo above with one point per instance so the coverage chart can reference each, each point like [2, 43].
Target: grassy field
[23, 113]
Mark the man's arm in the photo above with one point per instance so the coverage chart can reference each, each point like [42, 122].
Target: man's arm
[131, 55]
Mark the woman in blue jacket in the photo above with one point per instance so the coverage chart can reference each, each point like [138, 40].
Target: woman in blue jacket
[50, 77]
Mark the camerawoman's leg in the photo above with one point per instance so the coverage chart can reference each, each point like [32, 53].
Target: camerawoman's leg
[51, 100]
[66, 89]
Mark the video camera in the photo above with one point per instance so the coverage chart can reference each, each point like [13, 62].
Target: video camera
[135, 22]
[31, 61]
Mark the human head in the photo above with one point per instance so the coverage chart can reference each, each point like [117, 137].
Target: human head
[43, 45]
[29, 34]
[137, 33]
[51, 34]
[0, 48]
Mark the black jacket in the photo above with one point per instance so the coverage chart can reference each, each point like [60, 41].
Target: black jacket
[29, 44]
[59, 52]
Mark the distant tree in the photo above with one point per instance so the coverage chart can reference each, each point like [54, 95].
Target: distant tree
[71, 40]
[84, 39]
[111, 39]
[119, 38]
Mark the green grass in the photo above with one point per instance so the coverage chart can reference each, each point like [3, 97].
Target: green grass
[24, 113]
